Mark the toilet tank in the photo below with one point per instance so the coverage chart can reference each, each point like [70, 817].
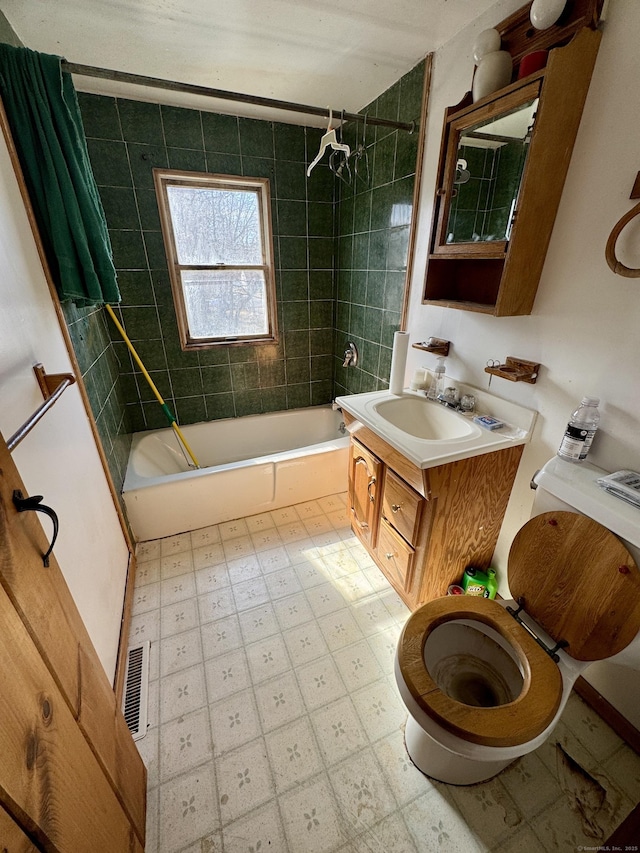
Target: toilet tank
[572, 487]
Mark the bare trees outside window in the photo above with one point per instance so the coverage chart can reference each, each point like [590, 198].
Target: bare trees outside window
[217, 236]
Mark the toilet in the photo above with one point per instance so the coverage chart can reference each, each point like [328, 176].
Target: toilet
[485, 681]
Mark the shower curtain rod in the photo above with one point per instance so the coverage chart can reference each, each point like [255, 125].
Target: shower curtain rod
[191, 89]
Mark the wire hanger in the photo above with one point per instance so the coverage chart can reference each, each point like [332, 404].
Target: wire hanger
[329, 140]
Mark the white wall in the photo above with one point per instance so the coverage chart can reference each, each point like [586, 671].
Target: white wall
[59, 458]
[585, 325]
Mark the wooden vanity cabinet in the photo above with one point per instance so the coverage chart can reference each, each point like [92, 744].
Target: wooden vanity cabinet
[424, 527]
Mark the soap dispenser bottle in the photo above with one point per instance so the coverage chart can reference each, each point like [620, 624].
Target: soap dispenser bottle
[437, 383]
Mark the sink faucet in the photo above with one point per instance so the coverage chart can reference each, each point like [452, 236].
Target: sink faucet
[449, 398]
[350, 355]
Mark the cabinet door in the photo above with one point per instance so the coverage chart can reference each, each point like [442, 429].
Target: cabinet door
[364, 486]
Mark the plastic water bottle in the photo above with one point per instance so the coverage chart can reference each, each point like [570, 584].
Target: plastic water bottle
[580, 430]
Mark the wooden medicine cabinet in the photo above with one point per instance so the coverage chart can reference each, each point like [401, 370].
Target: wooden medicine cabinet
[503, 163]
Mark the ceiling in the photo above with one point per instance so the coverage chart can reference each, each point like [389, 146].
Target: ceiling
[342, 53]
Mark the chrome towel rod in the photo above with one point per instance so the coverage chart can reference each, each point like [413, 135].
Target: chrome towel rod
[52, 386]
[222, 94]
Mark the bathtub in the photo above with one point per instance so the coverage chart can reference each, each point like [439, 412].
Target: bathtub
[248, 465]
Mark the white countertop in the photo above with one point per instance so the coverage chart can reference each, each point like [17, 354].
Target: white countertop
[424, 453]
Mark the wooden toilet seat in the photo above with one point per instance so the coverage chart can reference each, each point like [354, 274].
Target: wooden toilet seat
[504, 725]
[577, 581]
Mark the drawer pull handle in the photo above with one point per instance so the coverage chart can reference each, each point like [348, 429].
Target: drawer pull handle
[372, 482]
[396, 507]
[389, 556]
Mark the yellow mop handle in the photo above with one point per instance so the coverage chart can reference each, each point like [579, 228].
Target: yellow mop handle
[164, 406]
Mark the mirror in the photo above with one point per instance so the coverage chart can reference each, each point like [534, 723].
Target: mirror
[491, 156]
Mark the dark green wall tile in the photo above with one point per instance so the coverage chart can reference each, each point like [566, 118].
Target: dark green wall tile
[289, 142]
[384, 160]
[248, 402]
[256, 138]
[128, 250]
[293, 253]
[297, 370]
[298, 396]
[322, 392]
[140, 121]
[224, 164]
[274, 399]
[187, 160]
[291, 181]
[292, 218]
[320, 253]
[295, 315]
[272, 373]
[191, 410]
[156, 256]
[109, 163]
[152, 354]
[140, 323]
[321, 341]
[321, 313]
[245, 377]
[219, 406]
[220, 133]
[182, 128]
[100, 115]
[120, 207]
[294, 285]
[296, 343]
[216, 379]
[148, 209]
[186, 382]
[321, 284]
[258, 167]
[143, 159]
[135, 287]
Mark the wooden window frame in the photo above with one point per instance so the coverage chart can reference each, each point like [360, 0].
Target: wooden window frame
[164, 178]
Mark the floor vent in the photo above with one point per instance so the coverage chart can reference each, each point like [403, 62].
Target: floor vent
[136, 689]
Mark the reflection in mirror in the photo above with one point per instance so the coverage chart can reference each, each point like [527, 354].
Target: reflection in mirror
[491, 160]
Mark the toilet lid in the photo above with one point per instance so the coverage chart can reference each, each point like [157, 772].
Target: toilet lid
[578, 582]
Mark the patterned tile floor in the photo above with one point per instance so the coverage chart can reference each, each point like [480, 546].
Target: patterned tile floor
[275, 723]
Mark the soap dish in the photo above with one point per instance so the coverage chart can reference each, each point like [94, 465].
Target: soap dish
[488, 422]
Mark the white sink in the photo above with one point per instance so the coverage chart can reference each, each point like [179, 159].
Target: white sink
[429, 434]
[425, 420]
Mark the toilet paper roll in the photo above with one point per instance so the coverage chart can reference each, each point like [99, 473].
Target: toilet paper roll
[398, 362]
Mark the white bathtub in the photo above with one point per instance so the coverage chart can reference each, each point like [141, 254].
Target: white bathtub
[248, 465]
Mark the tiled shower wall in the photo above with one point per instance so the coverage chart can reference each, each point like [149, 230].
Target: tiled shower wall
[126, 140]
[373, 226]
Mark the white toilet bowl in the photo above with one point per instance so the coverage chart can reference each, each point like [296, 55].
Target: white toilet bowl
[482, 686]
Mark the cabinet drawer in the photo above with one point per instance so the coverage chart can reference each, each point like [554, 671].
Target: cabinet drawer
[395, 557]
[402, 507]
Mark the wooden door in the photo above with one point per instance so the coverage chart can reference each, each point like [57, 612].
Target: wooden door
[364, 487]
[71, 779]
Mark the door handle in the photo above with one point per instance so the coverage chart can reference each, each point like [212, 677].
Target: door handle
[371, 482]
[34, 503]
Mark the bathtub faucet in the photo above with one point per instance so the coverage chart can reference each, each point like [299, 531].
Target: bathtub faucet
[350, 355]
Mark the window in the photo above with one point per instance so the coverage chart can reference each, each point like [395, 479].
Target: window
[217, 236]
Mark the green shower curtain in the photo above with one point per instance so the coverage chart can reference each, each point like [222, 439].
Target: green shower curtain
[44, 117]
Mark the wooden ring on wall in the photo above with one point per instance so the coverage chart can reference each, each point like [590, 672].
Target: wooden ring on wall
[610, 254]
